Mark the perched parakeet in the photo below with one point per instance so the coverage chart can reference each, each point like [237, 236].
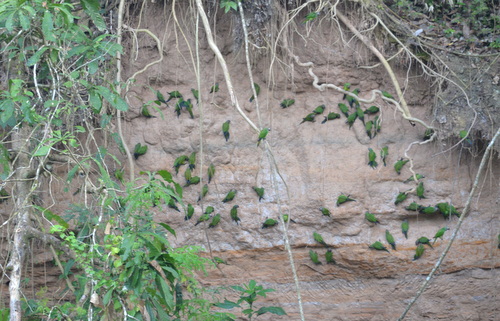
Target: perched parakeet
[187, 174]
[230, 196]
[353, 102]
[378, 246]
[210, 172]
[209, 210]
[399, 165]
[178, 107]
[319, 110]
[269, 223]
[179, 161]
[428, 134]
[140, 150]
[371, 158]
[346, 87]
[119, 172]
[419, 252]
[318, 238]
[387, 95]
[372, 110]
[329, 257]
[310, 16]
[390, 239]
[225, 129]
[440, 233]
[172, 205]
[344, 198]
[447, 209]
[262, 135]
[351, 119]
[413, 207]
[361, 114]
[420, 190]
[259, 191]
[286, 217]
[214, 88]
[160, 97]
[405, 226]
[145, 112]
[400, 198]
[196, 94]
[371, 218]
[325, 211]
[369, 128]
[309, 118]
[427, 209]
[423, 240]
[189, 212]
[204, 191]
[218, 260]
[314, 257]
[377, 124]
[174, 94]
[192, 160]
[384, 152]
[193, 181]
[287, 103]
[331, 116]
[344, 109]
[412, 178]
[189, 107]
[234, 214]
[215, 221]
[257, 90]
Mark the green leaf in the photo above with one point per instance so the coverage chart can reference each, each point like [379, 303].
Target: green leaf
[36, 57]
[107, 297]
[42, 151]
[168, 228]
[238, 288]
[48, 26]
[274, 310]
[9, 23]
[49, 215]
[92, 7]
[93, 67]
[72, 173]
[6, 111]
[227, 305]
[165, 175]
[24, 21]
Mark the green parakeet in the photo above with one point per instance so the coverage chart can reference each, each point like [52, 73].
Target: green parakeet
[203, 218]
[215, 221]
[361, 114]
[399, 165]
[218, 260]
[189, 212]
[187, 174]
[351, 119]
[160, 97]
[372, 110]
[387, 95]
[423, 240]
[371, 218]
[344, 198]
[286, 217]
[428, 134]
[346, 87]
[259, 191]
[412, 178]
[384, 152]
[400, 198]
[193, 181]
[369, 128]
[420, 190]
[214, 88]
[318, 238]
[405, 226]
[325, 211]
[204, 191]
[140, 150]
[171, 204]
[331, 116]
[319, 110]
[390, 239]
[209, 210]
[413, 207]
[329, 257]
[262, 135]
[287, 103]
[192, 160]
[234, 214]
[179, 161]
[210, 172]
[145, 112]
[427, 209]
[310, 16]
[230, 196]
[314, 257]
[225, 129]
[257, 90]
[344, 109]
[440, 233]
[174, 94]
[353, 102]
[309, 118]
[269, 223]
[196, 94]
[371, 158]
[419, 251]
[378, 246]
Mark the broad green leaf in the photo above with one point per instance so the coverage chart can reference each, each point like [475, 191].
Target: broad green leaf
[9, 23]
[36, 57]
[24, 21]
[72, 173]
[67, 267]
[238, 288]
[49, 215]
[274, 310]
[93, 67]
[48, 26]
[165, 175]
[107, 297]
[42, 151]
[227, 305]
[92, 7]
[168, 228]
[6, 110]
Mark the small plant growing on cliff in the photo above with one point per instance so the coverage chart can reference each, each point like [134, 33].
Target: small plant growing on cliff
[249, 294]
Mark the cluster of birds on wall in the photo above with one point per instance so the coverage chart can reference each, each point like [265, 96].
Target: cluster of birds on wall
[372, 128]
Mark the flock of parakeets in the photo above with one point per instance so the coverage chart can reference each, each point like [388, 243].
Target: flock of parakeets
[372, 127]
